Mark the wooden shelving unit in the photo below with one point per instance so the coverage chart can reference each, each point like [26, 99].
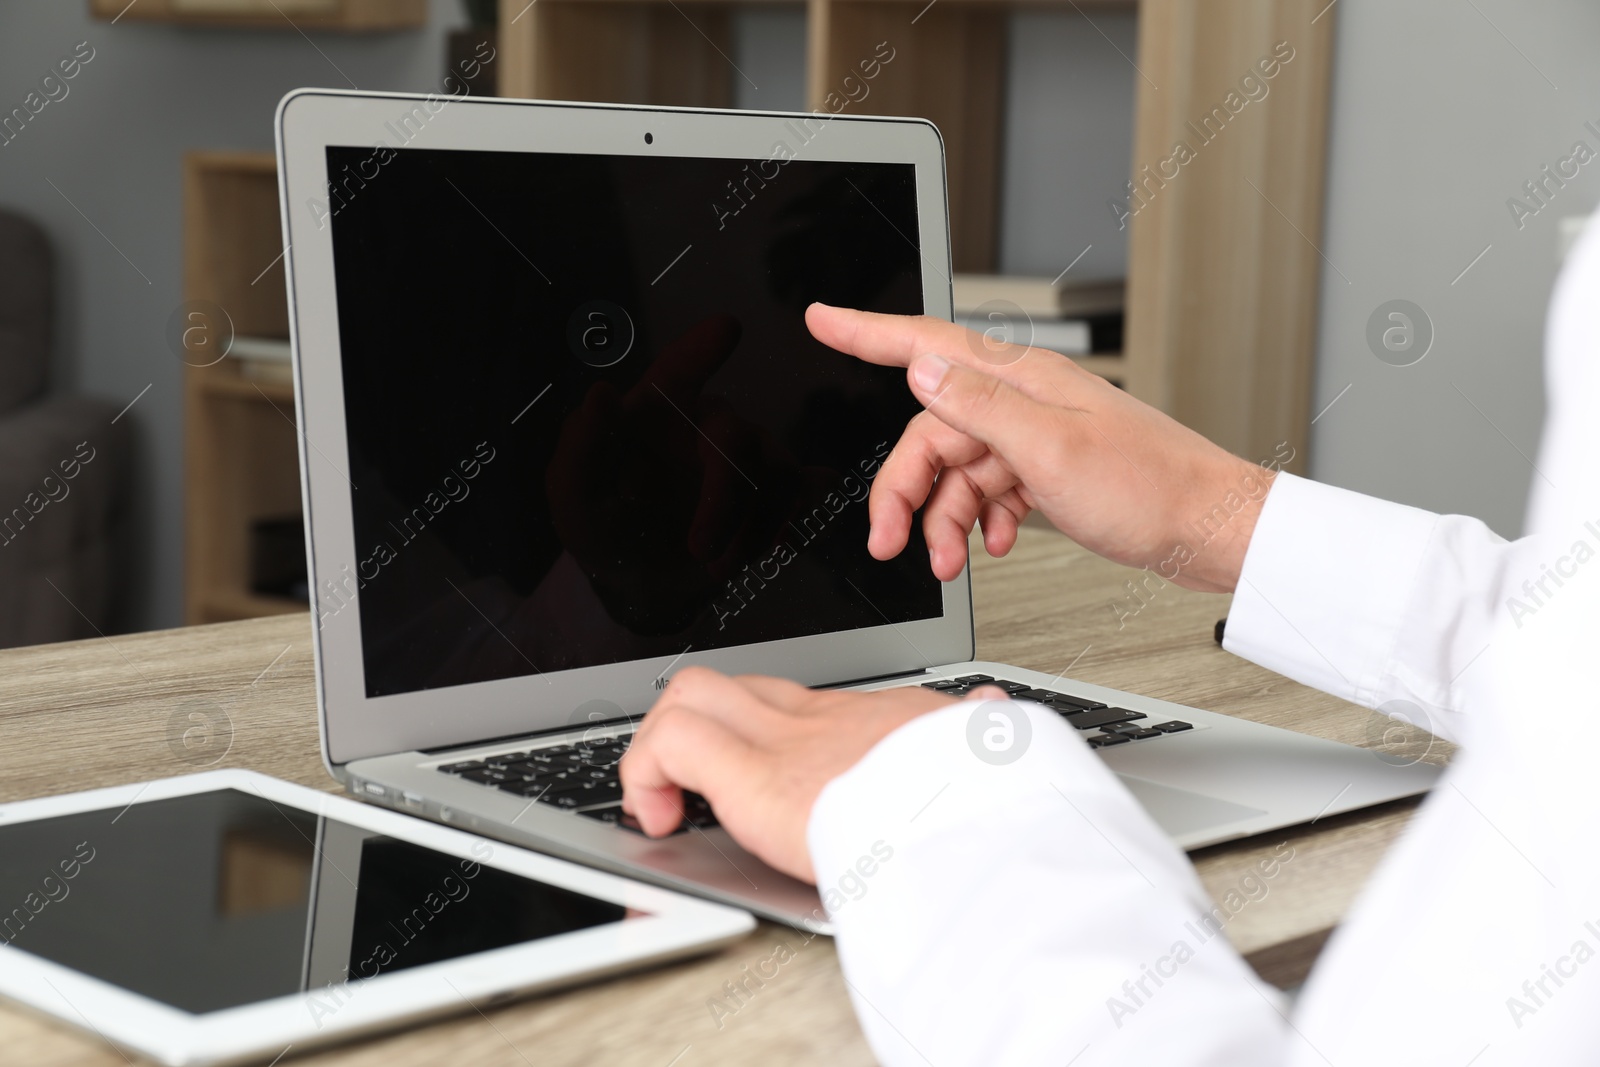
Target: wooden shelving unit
[349, 15]
[1223, 277]
[1223, 267]
[237, 386]
[241, 450]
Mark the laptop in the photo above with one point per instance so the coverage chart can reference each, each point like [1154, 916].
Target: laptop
[564, 433]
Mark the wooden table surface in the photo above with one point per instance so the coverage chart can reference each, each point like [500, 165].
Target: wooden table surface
[109, 711]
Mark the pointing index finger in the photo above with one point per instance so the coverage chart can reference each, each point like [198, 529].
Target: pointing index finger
[899, 340]
[888, 340]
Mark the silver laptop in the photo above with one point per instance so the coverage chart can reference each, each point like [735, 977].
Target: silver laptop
[565, 433]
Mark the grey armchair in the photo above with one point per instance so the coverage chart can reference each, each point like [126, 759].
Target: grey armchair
[63, 466]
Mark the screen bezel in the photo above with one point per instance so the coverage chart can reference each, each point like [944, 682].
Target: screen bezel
[673, 925]
[356, 726]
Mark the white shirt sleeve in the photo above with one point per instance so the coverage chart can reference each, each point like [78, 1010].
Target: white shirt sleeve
[1381, 604]
[1477, 938]
[1024, 913]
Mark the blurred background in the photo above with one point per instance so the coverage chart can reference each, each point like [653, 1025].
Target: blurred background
[1321, 232]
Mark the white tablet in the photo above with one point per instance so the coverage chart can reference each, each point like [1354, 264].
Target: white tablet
[228, 916]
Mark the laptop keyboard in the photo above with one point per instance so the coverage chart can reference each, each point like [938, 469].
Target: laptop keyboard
[581, 776]
[1116, 726]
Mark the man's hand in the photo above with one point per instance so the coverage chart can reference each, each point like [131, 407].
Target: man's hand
[1008, 430]
[760, 750]
[1005, 430]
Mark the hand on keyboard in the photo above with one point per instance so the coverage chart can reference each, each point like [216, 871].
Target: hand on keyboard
[760, 750]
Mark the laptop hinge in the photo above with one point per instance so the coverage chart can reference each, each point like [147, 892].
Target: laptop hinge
[597, 724]
[628, 721]
[874, 678]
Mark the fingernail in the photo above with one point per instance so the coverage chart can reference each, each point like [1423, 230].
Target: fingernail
[928, 372]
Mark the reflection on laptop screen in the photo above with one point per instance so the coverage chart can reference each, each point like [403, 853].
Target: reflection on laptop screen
[586, 422]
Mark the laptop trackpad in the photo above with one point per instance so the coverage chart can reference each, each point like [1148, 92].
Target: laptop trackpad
[1180, 812]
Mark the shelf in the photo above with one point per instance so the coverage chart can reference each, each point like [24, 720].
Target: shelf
[237, 387]
[241, 443]
[222, 605]
[233, 240]
[346, 15]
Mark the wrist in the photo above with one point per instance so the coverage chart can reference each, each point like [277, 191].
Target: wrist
[1210, 545]
[1231, 554]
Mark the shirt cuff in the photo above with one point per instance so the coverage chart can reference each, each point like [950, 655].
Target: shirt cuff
[984, 856]
[1326, 584]
[964, 765]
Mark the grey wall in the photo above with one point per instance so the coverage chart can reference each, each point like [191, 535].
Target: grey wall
[114, 146]
[1068, 141]
[1438, 118]
[769, 45]
[1068, 132]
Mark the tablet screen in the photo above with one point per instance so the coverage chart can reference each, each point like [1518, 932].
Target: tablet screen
[220, 899]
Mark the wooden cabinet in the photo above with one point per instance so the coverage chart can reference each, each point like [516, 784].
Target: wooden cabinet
[241, 453]
[1224, 262]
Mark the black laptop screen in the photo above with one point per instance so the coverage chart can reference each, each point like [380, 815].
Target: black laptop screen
[586, 423]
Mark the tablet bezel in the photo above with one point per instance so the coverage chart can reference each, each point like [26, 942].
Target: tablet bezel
[356, 726]
[675, 926]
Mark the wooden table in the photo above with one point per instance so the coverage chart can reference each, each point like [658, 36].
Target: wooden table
[105, 712]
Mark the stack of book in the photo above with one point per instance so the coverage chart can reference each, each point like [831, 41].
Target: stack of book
[263, 359]
[1073, 319]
